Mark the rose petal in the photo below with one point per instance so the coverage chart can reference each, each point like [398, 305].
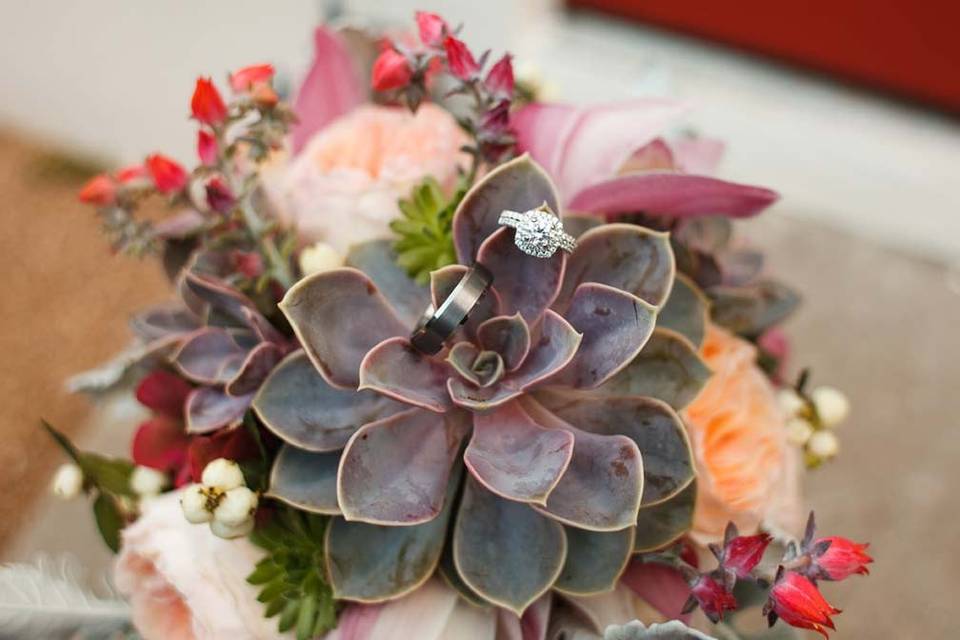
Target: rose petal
[305, 480]
[595, 560]
[396, 369]
[377, 260]
[209, 409]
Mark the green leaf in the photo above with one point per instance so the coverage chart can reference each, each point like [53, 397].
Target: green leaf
[109, 520]
[108, 474]
[306, 618]
[424, 236]
[62, 441]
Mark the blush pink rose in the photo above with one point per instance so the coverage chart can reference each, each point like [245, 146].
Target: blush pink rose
[184, 583]
[344, 186]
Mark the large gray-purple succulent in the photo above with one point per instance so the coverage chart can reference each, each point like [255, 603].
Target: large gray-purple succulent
[540, 450]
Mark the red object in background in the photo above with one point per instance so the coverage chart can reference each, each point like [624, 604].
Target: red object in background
[910, 47]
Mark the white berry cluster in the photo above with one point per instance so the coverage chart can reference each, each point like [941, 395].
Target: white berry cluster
[222, 499]
[811, 420]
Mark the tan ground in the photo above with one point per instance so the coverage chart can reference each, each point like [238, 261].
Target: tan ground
[883, 326]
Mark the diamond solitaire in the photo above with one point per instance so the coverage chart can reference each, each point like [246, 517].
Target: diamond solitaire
[539, 231]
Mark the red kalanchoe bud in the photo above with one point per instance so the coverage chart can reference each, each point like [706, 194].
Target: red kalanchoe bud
[163, 392]
[247, 263]
[432, 28]
[799, 603]
[265, 96]
[713, 597]
[742, 553]
[249, 77]
[168, 176]
[459, 59]
[206, 104]
[841, 559]
[99, 190]
[219, 196]
[207, 147]
[500, 78]
[130, 173]
[391, 70]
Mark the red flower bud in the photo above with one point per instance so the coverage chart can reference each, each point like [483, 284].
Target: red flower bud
[250, 77]
[160, 443]
[713, 597]
[500, 78]
[265, 96]
[132, 172]
[207, 147]
[168, 176]
[219, 196]
[391, 70]
[432, 28]
[99, 190]
[247, 263]
[206, 104]
[459, 59]
[799, 603]
[163, 392]
[743, 553]
[841, 559]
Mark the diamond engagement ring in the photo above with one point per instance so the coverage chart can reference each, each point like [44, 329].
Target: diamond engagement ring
[436, 325]
[539, 231]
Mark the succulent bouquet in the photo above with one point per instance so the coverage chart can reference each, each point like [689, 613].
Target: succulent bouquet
[607, 434]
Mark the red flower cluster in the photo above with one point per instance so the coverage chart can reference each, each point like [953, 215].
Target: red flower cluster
[798, 601]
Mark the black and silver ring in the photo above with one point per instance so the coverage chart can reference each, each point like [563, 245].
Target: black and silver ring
[437, 325]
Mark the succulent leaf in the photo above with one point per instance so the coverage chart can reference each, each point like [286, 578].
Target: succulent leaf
[378, 260]
[507, 335]
[670, 630]
[595, 560]
[163, 322]
[209, 409]
[254, 369]
[577, 225]
[396, 369]
[504, 551]
[305, 479]
[205, 357]
[687, 310]
[425, 237]
[396, 471]
[662, 523]
[301, 408]
[752, 309]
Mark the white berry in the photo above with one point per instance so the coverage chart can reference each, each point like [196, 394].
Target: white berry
[223, 474]
[236, 506]
[823, 444]
[318, 258]
[227, 531]
[790, 402]
[146, 482]
[832, 405]
[798, 431]
[67, 481]
[195, 502]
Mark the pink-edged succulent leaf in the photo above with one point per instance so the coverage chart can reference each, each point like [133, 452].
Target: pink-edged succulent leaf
[505, 551]
[395, 471]
[740, 267]
[373, 563]
[687, 310]
[595, 560]
[479, 368]
[516, 458]
[396, 369]
[524, 284]
[163, 323]
[602, 488]
[378, 261]
[507, 335]
[224, 305]
[254, 369]
[209, 409]
[663, 523]
[261, 327]
[669, 368]
[624, 256]
[582, 146]
[661, 585]
[332, 87]
[205, 357]
[752, 309]
[577, 225]
[656, 428]
[339, 316]
[301, 408]
[534, 624]
[615, 326]
[305, 479]
[677, 195]
[518, 185]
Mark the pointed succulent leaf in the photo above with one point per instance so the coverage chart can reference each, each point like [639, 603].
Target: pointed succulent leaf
[404, 557]
[448, 571]
[378, 261]
[222, 301]
[305, 480]
[254, 369]
[752, 309]
[518, 185]
[577, 225]
[209, 409]
[395, 471]
[670, 630]
[205, 356]
[504, 551]
[686, 311]
[461, 357]
[662, 524]
[740, 266]
[624, 256]
[516, 458]
[396, 369]
[615, 326]
[301, 408]
[669, 369]
[339, 316]
[595, 560]
[507, 335]
[164, 322]
[442, 283]
[524, 284]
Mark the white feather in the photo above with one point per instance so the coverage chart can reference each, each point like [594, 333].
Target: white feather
[45, 600]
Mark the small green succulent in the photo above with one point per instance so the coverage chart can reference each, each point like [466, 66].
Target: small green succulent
[425, 238]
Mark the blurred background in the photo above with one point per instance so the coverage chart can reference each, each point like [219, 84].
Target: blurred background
[848, 108]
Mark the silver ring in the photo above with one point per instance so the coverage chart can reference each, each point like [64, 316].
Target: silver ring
[539, 231]
[436, 325]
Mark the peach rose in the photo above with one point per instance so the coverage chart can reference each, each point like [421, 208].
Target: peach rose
[747, 472]
[184, 583]
[344, 186]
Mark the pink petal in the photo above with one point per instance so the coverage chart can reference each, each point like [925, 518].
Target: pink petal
[698, 155]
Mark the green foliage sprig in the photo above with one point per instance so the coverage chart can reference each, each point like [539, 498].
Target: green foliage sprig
[425, 233]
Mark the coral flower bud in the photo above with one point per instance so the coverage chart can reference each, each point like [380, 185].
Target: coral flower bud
[265, 96]
[798, 601]
[67, 481]
[831, 404]
[841, 559]
[743, 553]
[207, 147]
[432, 28]
[206, 104]
[712, 597]
[248, 77]
[223, 474]
[168, 176]
[500, 78]
[391, 70]
[132, 173]
[99, 190]
[459, 59]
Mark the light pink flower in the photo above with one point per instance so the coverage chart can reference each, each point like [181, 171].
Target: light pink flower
[185, 583]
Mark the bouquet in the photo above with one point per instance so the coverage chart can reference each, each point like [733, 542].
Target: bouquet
[447, 361]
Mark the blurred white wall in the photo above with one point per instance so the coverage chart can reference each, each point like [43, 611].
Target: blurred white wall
[114, 77]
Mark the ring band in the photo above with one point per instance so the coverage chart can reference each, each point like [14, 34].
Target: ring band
[539, 233]
[436, 325]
